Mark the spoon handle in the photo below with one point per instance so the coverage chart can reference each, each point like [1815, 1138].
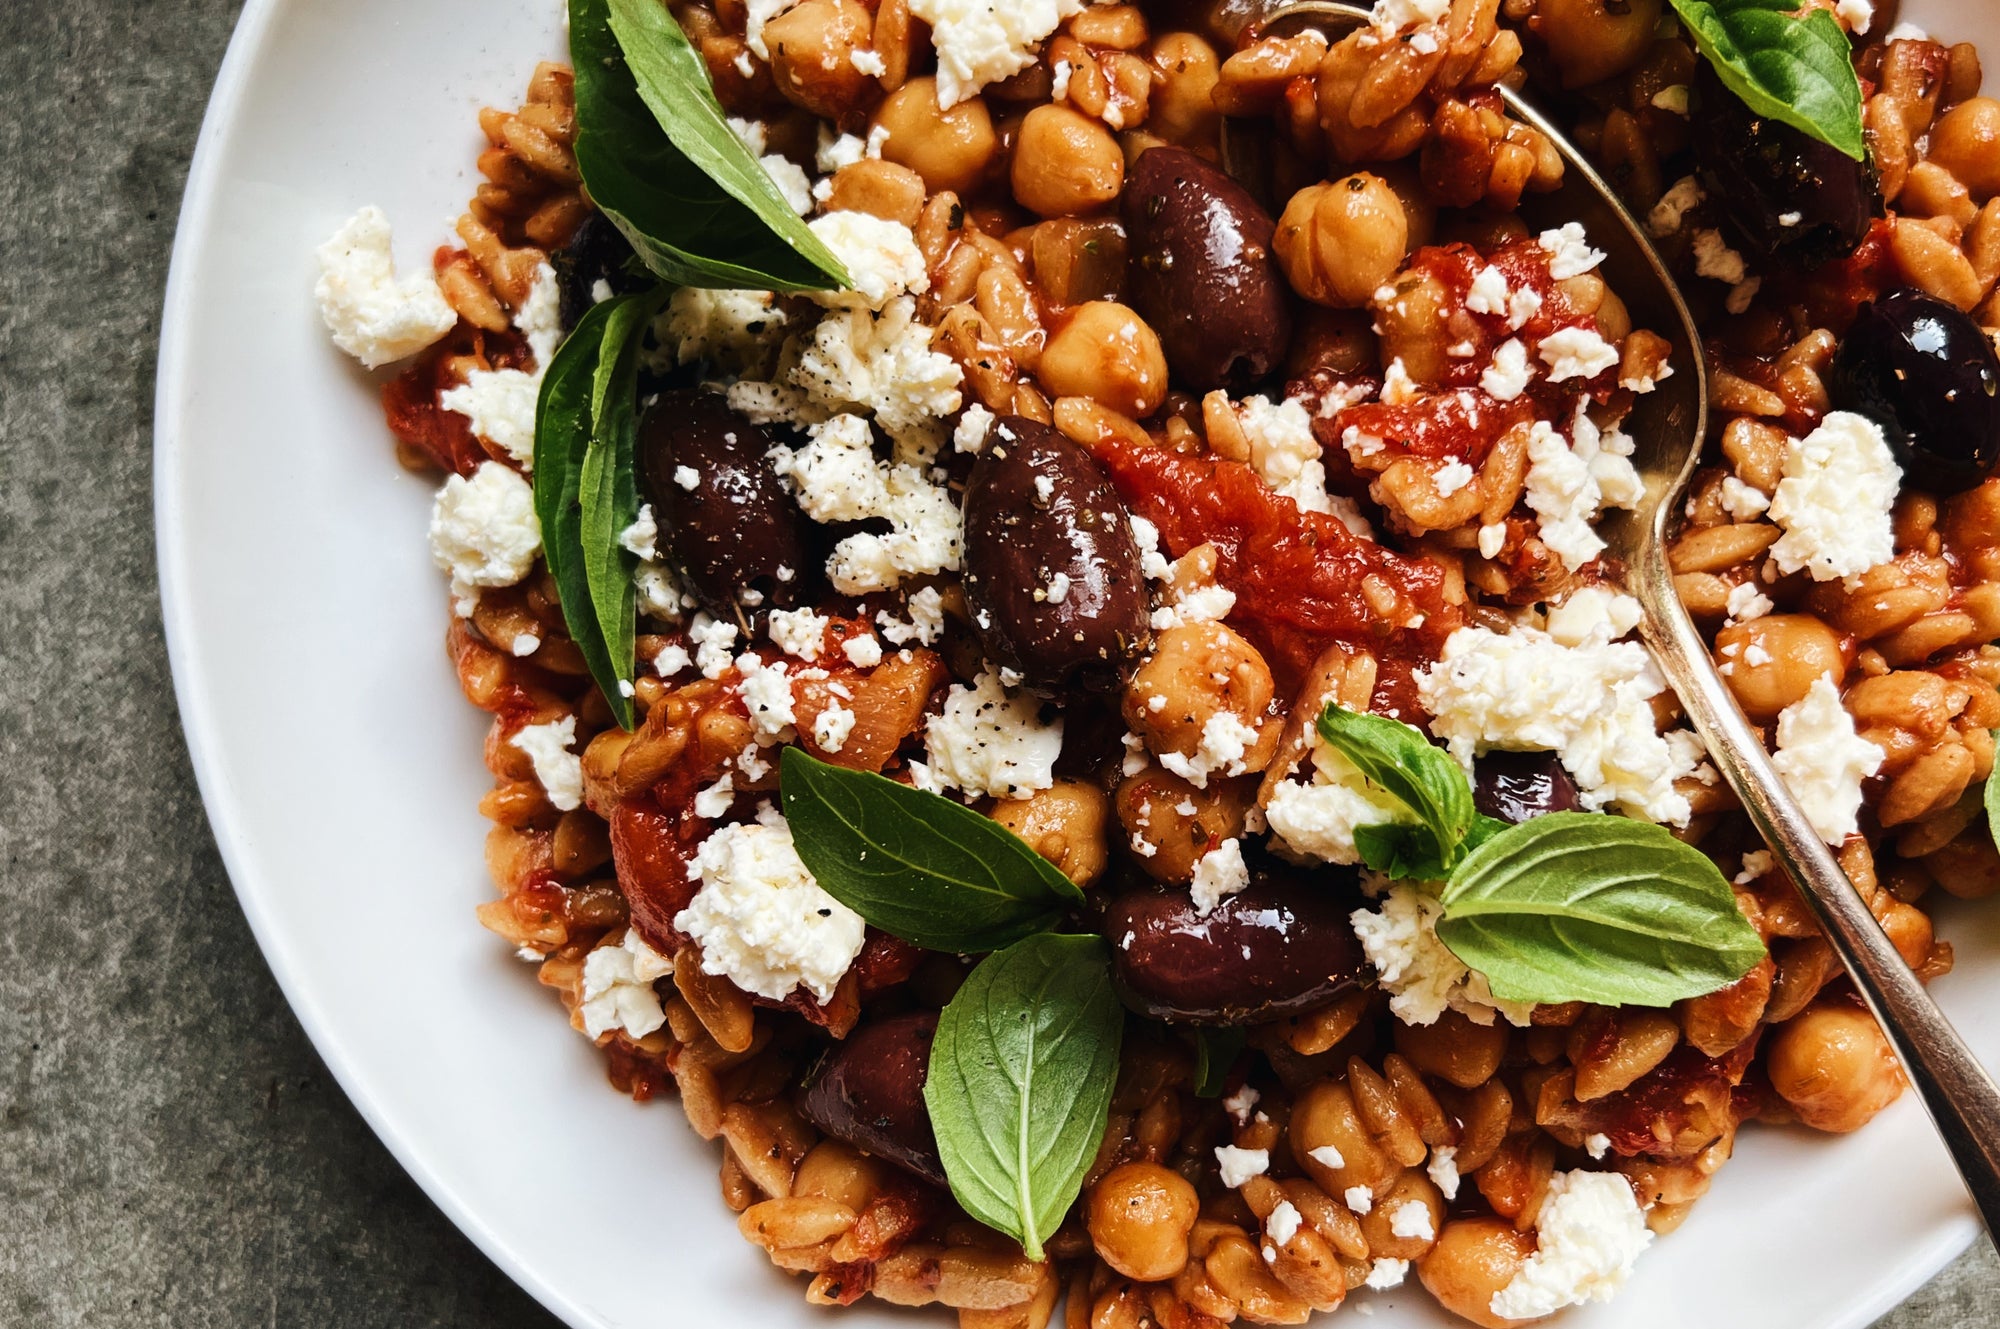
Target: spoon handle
[1960, 1095]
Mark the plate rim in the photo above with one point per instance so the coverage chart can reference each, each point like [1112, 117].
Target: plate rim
[256, 26]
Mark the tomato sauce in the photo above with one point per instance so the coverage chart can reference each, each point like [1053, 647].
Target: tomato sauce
[1297, 575]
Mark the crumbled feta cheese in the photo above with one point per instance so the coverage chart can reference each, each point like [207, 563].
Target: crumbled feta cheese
[1856, 14]
[760, 918]
[1588, 1233]
[1152, 563]
[1672, 99]
[1576, 353]
[715, 800]
[1239, 1165]
[1452, 477]
[973, 426]
[1384, 1274]
[1398, 388]
[1671, 211]
[1225, 740]
[832, 726]
[1412, 1218]
[793, 183]
[1508, 376]
[732, 332]
[714, 642]
[1318, 820]
[372, 315]
[641, 536]
[525, 643]
[1392, 16]
[500, 403]
[1492, 539]
[862, 652]
[1219, 874]
[980, 42]
[1359, 1199]
[484, 531]
[1422, 977]
[1834, 502]
[836, 151]
[925, 624]
[1823, 761]
[1284, 1222]
[767, 695]
[986, 743]
[1597, 1145]
[673, 658]
[560, 770]
[1488, 292]
[1328, 1156]
[798, 632]
[1743, 502]
[1747, 602]
[881, 258]
[838, 478]
[1570, 254]
[1568, 483]
[618, 988]
[869, 63]
[1283, 451]
[1239, 1104]
[1593, 615]
[1443, 1170]
[1590, 704]
[883, 363]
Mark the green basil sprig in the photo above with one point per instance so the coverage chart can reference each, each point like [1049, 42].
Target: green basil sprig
[1993, 799]
[1789, 67]
[1570, 906]
[586, 423]
[1020, 1081]
[659, 159]
[917, 865]
[1578, 906]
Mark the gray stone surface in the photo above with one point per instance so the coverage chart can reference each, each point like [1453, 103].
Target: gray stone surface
[171, 1151]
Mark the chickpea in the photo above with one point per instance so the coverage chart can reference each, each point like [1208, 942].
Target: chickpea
[812, 46]
[1473, 1259]
[1140, 1215]
[1183, 100]
[1106, 352]
[1909, 930]
[1966, 142]
[949, 149]
[836, 1170]
[1065, 824]
[1198, 671]
[1772, 661]
[1341, 242]
[1065, 163]
[1968, 867]
[1323, 1120]
[1380, 1223]
[1591, 40]
[1834, 1067]
[880, 189]
[1415, 326]
[1177, 822]
[1454, 1049]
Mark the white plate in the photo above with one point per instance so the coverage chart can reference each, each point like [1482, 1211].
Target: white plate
[341, 768]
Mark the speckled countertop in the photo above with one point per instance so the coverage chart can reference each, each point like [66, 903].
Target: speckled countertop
[171, 1151]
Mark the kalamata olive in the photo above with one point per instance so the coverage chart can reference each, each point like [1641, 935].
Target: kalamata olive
[869, 1091]
[724, 519]
[598, 252]
[1782, 193]
[1514, 786]
[1280, 946]
[1202, 272]
[1051, 569]
[1925, 372]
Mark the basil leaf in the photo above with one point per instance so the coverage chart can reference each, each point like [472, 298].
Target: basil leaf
[1215, 1051]
[1423, 778]
[586, 421]
[1020, 1082]
[658, 158]
[1786, 67]
[916, 865]
[1993, 800]
[1577, 906]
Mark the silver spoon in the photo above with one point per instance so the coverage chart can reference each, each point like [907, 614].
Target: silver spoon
[1669, 425]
